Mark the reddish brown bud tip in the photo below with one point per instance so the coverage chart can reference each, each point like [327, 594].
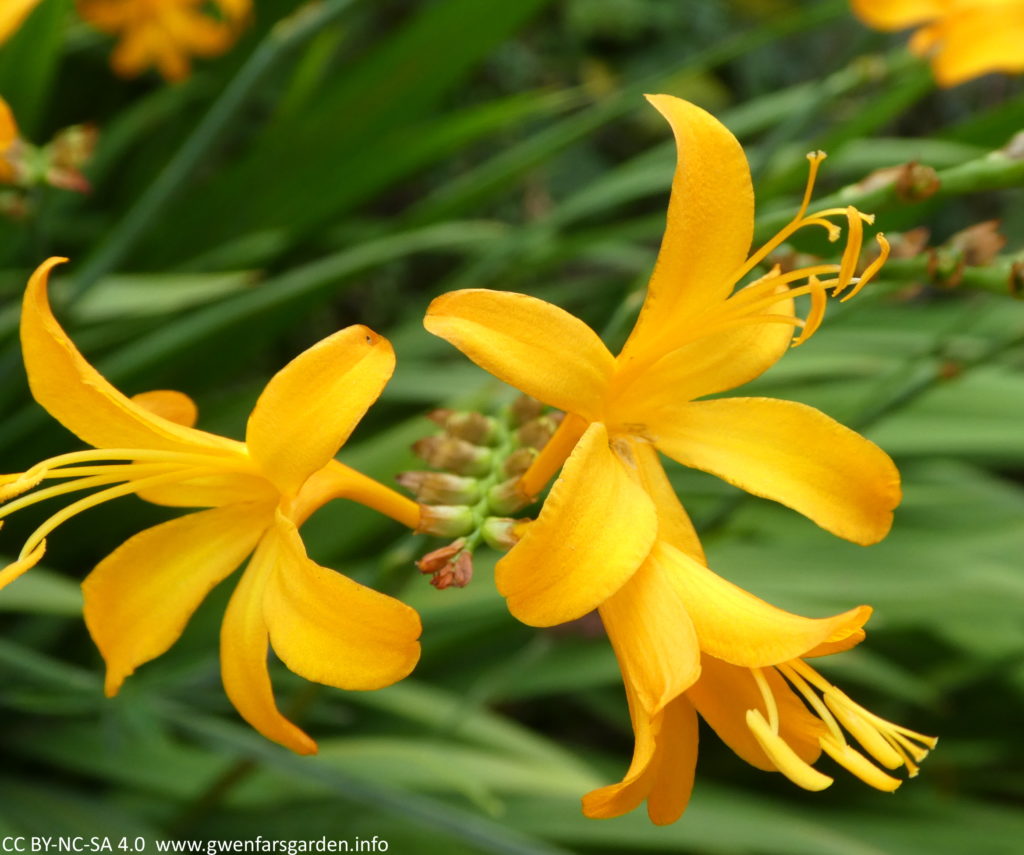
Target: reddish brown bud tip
[453, 455]
[455, 574]
[536, 433]
[440, 488]
[519, 461]
[434, 561]
[525, 409]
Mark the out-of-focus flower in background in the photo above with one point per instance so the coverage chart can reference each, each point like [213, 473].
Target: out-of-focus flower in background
[12, 14]
[165, 34]
[323, 625]
[964, 38]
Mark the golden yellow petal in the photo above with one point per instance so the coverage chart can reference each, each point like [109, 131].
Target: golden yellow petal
[211, 491]
[75, 393]
[709, 226]
[651, 632]
[169, 404]
[530, 344]
[21, 566]
[309, 408]
[788, 452]
[8, 126]
[897, 14]
[724, 693]
[735, 626]
[662, 769]
[243, 653]
[977, 41]
[330, 629]
[140, 597]
[674, 524]
[595, 529]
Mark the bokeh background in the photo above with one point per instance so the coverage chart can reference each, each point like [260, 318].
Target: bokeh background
[350, 165]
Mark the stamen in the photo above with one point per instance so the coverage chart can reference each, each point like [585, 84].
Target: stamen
[782, 756]
[22, 565]
[859, 765]
[99, 498]
[815, 158]
[871, 269]
[808, 694]
[819, 302]
[768, 697]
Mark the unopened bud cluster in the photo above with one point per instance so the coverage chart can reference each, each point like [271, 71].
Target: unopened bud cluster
[57, 164]
[471, 491]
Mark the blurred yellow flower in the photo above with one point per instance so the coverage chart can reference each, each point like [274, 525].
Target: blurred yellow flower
[138, 600]
[9, 140]
[165, 34]
[12, 15]
[695, 337]
[689, 642]
[964, 38]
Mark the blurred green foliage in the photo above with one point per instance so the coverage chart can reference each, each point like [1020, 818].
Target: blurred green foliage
[352, 166]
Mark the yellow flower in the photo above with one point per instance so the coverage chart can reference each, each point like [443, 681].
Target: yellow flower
[324, 626]
[695, 337]
[12, 15]
[690, 643]
[164, 34]
[965, 38]
[9, 141]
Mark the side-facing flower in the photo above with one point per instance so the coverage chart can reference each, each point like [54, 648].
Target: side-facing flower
[165, 34]
[256, 495]
[696, 336]
[690, 643]
[964, 38]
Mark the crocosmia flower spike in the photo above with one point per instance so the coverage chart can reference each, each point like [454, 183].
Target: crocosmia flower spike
[612, 535]
[165, 34]
[964, 38]
[255, 495]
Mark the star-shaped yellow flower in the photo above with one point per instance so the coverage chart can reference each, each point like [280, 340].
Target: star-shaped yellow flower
[965, 38]
[164, 34]
[324, 626]
[696, 336]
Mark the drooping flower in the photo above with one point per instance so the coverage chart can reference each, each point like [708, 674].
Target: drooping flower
[964, 38]
[690, 643]
[255, 496]
[12, 15]
[165, 34]
[696, 336]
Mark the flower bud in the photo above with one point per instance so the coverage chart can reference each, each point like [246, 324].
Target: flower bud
[519, 461]
[502, 533]
[440, 488]
[506, 498]
[446, 520]
[434, 561]
[453, 455]
[536, 433]
[454, 574]
[525, 409]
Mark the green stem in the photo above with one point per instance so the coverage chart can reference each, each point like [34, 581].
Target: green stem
[287, 35]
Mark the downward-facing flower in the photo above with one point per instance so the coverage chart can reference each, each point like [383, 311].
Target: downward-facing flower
[165, 34]
[12, 15]
[964, 38]
[256, 494]
[697, 335]
[690, 643]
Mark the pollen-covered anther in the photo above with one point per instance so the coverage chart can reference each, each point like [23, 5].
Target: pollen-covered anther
[453, 455]
[20, 482]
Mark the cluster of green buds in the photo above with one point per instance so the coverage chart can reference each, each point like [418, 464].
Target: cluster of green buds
[472, 488]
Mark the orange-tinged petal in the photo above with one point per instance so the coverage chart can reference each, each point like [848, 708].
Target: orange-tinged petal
[674, 524]
[12, 14]
[651, 632]
[709, 227]
[169, 404]
[309, 408]
[788, 452]
[898, 14]
[739, 628]
[140, 597]
[243, 652]
[332, 630]
[594, 531]
[724, 693]
[75, 393]
[662, 769]
[530, 344]
[8, 126]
